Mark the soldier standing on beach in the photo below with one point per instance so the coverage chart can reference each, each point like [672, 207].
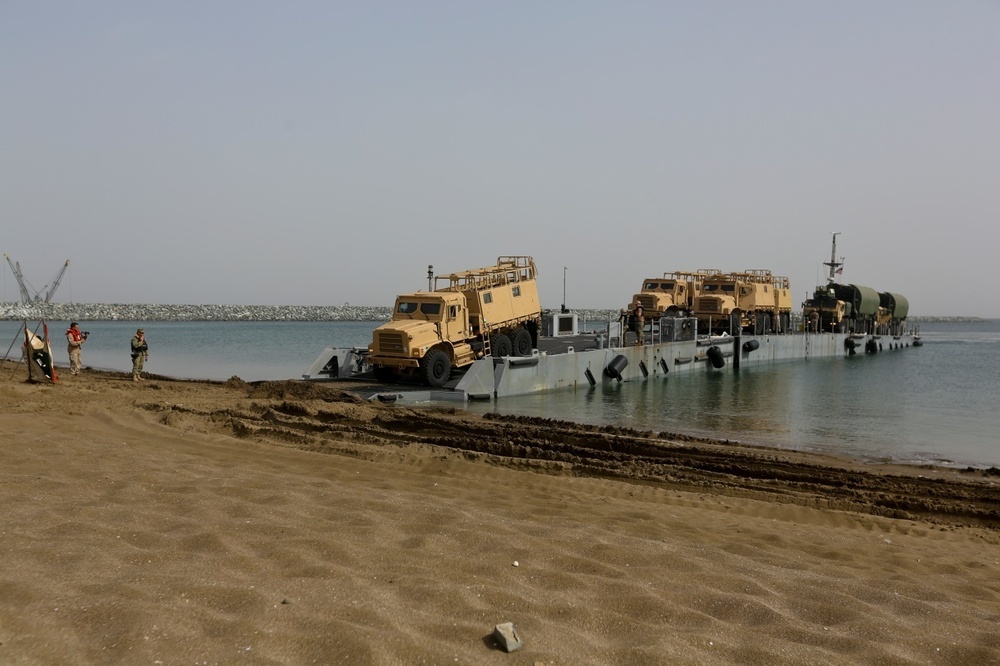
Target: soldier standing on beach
[140, 353]
[74, 341]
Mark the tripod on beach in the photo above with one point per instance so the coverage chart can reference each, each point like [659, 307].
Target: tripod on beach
[37, 351]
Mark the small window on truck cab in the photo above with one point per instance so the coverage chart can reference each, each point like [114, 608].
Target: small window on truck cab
[487, 297]
[516, 290]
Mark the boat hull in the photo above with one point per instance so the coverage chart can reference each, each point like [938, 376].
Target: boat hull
[588, 360]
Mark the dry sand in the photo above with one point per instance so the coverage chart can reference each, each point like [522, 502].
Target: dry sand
[287, 523]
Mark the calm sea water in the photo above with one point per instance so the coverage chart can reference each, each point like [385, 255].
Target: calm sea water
[937, 403]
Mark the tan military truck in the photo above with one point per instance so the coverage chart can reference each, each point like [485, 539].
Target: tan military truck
[491, 311]
[670, 295]
[753, 300]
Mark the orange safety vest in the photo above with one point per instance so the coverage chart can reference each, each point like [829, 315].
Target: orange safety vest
[77, 335]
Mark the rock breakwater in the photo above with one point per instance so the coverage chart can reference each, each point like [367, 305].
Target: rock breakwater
[158, 312]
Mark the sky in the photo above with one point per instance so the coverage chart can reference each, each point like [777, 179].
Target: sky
[322, 153]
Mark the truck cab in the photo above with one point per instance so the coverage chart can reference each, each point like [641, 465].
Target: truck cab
[824, 312]
[753, 300]
[668, 296]
[448, 313]
[421, 321]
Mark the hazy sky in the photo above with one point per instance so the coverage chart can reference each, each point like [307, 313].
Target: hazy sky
[318, 153]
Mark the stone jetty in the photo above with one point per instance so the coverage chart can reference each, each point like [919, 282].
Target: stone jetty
[159, 312]
[154, 312]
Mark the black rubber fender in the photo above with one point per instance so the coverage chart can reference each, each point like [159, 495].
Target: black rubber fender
[614, 369]
[714, 355]
[750, 345]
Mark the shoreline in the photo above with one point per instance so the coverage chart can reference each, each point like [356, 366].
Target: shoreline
[349, 386]
[756, 462]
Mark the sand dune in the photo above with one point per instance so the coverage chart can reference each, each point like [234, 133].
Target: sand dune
[195, 522]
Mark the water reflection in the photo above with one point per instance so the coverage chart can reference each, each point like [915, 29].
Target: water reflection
[935, 403]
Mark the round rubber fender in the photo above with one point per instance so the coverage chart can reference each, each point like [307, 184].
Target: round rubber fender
[750, 345]
[714, 355]
[614, 369]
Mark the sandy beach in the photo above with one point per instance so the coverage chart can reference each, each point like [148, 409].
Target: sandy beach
[180, 522]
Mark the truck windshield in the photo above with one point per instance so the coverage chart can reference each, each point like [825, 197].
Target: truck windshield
[418, 310]
[410, 308]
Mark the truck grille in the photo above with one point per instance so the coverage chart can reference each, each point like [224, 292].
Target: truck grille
[390, 342]
[648, 302]
[708, 305]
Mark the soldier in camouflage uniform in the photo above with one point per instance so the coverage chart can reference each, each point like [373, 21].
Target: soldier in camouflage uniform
[640, 324]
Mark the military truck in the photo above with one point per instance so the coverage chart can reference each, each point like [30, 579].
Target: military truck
[670, 295]
[853, 308]
[491, 311]
[824, 312]
[893, 309]
[754, 301]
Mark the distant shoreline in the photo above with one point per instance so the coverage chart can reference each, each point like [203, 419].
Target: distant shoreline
[157, 312]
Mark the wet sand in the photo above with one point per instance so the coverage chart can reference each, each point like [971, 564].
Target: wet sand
[183, 522]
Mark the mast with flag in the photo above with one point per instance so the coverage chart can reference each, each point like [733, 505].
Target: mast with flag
[836, 267]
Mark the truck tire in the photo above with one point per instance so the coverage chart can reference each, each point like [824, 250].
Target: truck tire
[500, 345]
[521, 342]
[437, 368]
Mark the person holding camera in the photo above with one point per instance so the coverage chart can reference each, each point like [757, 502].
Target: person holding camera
[140, 353]
[75, 339]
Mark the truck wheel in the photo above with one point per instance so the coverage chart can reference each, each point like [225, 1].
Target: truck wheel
[521, 342]
[500, 344]
[437, 368]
